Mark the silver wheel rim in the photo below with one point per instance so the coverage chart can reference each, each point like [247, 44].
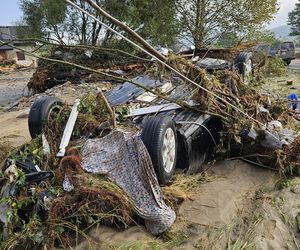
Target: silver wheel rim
[169, 150]
[53, 109]
[248, 70]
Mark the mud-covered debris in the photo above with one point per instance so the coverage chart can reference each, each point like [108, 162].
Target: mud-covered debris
[51, 74]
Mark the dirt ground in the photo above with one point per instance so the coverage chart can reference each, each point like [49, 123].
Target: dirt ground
[13, 85]
[12, 88]
[279, 88]
[241, 207]
[213, 207]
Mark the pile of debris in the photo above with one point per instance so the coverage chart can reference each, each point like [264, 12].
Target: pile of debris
[45, 200]
[227, 54]
[50, 74]
[7, 66]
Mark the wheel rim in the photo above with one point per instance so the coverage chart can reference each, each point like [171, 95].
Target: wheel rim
[169, 150]
[55, 109]
[248, 70]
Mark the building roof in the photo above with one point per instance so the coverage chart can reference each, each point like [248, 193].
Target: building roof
[8, 33]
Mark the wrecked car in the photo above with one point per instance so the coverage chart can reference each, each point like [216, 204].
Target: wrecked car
[285, 50]
[175, 137]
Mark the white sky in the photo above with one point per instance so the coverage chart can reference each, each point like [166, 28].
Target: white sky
[281, 18]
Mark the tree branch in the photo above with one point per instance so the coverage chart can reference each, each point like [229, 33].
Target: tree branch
[75, 46]
[159, 95]
[123, 26]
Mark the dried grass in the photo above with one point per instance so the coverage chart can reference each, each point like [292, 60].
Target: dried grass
[183, 188]
[90, 203]
[95, 199]
[5, 149]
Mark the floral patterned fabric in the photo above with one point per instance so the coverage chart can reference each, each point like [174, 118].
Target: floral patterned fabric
[125, 159]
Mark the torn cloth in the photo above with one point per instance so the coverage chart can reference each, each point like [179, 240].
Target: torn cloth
[127, 162]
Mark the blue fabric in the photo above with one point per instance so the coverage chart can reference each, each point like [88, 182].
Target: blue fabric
[294, 101]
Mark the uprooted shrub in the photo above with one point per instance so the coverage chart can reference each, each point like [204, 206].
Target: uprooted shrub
[95, 200]
[50, 74]
[276, 67]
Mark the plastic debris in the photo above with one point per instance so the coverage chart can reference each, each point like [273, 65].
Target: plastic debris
[293, 101]
[67, 184]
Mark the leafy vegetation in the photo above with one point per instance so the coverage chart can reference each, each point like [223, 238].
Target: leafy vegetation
[294, 20]
[55, 19]
[162, 22]
[276, 67]
[206, 21]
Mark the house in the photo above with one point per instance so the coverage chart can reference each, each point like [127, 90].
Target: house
[8, 33]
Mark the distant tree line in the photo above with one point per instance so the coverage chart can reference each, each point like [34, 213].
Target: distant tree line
[202, 22]
[294, 20]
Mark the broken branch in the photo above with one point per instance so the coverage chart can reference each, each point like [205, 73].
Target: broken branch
[181, 104]
[124, 27]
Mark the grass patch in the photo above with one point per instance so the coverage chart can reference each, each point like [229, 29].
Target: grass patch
[168, 240]
[287, 183]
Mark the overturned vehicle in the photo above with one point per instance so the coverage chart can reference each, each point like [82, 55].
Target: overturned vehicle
[175, 136]
[107, 155]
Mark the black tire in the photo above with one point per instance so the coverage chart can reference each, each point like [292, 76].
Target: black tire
[153, 135]
[288, 61]
[241, 60]
[40, 112]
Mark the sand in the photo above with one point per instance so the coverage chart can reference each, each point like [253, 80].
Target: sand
[12, 88]
[13, 85]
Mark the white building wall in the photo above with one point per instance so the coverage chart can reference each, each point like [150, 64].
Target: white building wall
[29, 60]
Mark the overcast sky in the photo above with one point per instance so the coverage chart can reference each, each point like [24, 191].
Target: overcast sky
[10, 12]
[281, 18]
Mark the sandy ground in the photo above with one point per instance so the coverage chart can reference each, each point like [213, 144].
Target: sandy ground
[12, 88]
[239, 209]
[14, 130]
[214, 205]
[13, 85]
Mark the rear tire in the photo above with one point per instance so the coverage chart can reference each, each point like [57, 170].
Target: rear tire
[243, 63]
[40, 113]
[160, 138]
[288, 61]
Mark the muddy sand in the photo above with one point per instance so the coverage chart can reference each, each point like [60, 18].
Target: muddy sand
[214, 206]
[13, 85]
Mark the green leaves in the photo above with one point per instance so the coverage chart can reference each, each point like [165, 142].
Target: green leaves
[206, 21]
[37, 237]
[294, 20]
[121, 111]
[44, 18]
[54, 10]
[158, 18]
[20, 177]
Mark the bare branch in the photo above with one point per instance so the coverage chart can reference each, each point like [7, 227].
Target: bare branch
[123, 26]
